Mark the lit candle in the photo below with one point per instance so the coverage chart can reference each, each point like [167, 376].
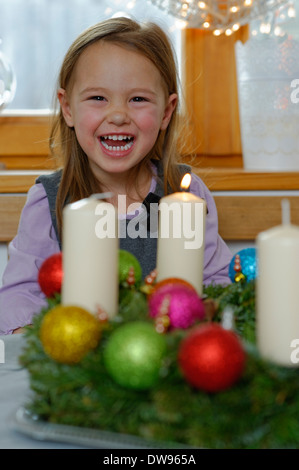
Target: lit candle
[181, 237]
[278, 290]
[90, 255]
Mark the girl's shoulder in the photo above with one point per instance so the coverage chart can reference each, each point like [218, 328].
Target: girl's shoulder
[36, 195]
[35, 225]
[198, 187]
[50, 181]
[36, 206]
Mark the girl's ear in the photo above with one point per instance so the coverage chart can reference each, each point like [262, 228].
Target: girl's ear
[65, 107]
[169, 108]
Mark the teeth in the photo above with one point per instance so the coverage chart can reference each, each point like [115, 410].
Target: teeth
[117, 148]
[117, 137]
[129, 142]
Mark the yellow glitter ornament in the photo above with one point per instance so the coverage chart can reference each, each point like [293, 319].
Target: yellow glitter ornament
[68, 332]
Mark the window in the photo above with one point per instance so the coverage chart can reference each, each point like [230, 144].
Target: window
[37, 33]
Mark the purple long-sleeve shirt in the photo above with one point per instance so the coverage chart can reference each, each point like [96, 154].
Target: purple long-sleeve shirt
[21, 297]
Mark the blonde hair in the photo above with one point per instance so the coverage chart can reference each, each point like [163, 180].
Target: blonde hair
[78, 181]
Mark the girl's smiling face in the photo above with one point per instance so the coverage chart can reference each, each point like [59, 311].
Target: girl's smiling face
[117, 105]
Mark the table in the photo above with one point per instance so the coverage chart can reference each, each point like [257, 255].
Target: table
[14, 391]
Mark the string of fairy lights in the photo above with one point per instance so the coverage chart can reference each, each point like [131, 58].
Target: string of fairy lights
[220, 16]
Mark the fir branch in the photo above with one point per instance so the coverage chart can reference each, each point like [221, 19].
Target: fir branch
[260, 411]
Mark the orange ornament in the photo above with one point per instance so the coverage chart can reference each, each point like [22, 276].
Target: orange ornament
[170, 281]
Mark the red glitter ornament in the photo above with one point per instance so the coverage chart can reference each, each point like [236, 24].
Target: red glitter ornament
[211, 358]
[50, 275]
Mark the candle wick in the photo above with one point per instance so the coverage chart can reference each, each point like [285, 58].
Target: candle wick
[286, 213]
[227, 321]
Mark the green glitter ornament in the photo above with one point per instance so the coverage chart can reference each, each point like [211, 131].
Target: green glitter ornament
[126, 261]
[134, 354]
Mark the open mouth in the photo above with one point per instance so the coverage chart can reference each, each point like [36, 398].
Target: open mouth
[117, 143]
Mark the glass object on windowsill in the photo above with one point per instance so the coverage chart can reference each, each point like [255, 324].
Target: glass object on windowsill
[268, 69]
[7, 81]
[268, 116]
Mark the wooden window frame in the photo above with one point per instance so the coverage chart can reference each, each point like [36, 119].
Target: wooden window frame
[24, 152]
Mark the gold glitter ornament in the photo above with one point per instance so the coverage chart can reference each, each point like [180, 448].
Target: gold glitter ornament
[68, 332]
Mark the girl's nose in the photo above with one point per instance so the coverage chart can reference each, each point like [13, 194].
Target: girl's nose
[118, 115]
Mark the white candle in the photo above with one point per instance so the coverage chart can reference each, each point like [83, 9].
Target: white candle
[278, 290]
[90, 255]
[181, 238]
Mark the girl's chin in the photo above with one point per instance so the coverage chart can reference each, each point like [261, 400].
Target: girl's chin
[115, 167]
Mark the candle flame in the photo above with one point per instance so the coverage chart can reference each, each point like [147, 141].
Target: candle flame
[185, 183]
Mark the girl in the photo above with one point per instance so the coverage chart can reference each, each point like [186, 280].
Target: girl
[116, 131]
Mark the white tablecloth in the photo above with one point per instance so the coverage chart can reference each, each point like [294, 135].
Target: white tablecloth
[14, 391]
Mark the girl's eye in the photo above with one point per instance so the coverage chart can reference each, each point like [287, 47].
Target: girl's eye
[97, 98]
[139, 99]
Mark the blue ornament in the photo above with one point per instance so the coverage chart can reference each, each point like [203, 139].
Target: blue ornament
[246, 259]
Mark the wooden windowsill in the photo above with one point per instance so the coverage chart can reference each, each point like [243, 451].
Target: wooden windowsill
[237, 179]
[217, 179]
[18, 181]
[226, 173]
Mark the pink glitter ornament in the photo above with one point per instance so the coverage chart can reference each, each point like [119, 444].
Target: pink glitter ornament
[180, 302]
